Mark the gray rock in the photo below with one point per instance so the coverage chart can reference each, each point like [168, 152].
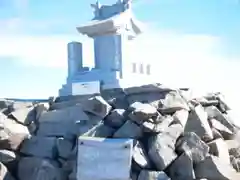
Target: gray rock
[99, 130]
[214, 113]
[32, 168]
[232, 117]
[152, 175]
[235, 163]
[5, 103]
[69, 165]
[64, 147]
[190, 142]
[140, 156]
[68, 103]
[69, 114]
[97, 106]
[11, 133]
[61, 129]
[150, 127]
[181, 168]
[7, 156]
[72, 168]
[116, 118]
[129, 130]
[24, 115]
[41, 108]
[173, 102]
[33, 128]
[59, 99]
[149, 98]
[62, 123]
[197, 122]
[233, 148]
[4, 173]
[161, 147]
[142, 112]
[147, 89]
[19, 105]
[222, 103]
[224, 131]
[173, 132]
[73, 175]
[206, 102]
[213, 168]
[220, 149]
[134, 175]
[181, 116]
[157, 128]
[115, 97]
[186, 93]
[43, 147]
[216, 134]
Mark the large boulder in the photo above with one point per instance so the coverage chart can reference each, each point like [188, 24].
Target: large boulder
[214, 113]
[219, 148]
[162, 147]
[173, 102]
[4, 173]
[32, 168]
[24, 115]
[129, 130]
[12, 134]
[43, 147]
[142, 112]
[214, 169]
[62, 122]
[191, 143]
[116, 118]
[198, 122]
[97, 106]
[140, 156]
[181, 168]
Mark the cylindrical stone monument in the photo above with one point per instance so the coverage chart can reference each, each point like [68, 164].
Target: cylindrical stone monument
[75, 63]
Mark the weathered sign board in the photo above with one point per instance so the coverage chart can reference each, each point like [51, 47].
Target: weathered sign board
[83, 88]
[104, 159]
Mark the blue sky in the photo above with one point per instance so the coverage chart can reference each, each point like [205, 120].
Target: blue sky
[34, 33]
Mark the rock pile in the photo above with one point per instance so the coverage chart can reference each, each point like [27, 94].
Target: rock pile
[175, 136]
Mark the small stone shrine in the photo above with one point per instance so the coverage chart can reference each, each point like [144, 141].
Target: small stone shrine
[112, 29]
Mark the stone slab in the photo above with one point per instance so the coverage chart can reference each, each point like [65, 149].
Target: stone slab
[102, 158]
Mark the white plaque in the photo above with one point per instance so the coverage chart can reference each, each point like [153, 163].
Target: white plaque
[104, 159]
[83, 88]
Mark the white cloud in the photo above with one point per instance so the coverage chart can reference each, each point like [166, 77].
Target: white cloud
[183, 59]
[49, 51]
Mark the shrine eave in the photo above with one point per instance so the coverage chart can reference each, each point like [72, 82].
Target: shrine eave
[112, 24]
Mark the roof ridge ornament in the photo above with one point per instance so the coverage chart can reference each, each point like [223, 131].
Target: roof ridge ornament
[96, 7]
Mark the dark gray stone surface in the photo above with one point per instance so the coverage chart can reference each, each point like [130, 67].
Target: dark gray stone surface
[116, 118]
[140, 156]
[190, 142]
[172, 132]
[43, 147]
[182, 168]
[32, 168]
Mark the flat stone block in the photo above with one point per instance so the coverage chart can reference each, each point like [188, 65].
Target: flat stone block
[102, 158]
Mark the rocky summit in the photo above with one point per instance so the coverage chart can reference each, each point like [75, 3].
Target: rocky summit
[176, 136]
